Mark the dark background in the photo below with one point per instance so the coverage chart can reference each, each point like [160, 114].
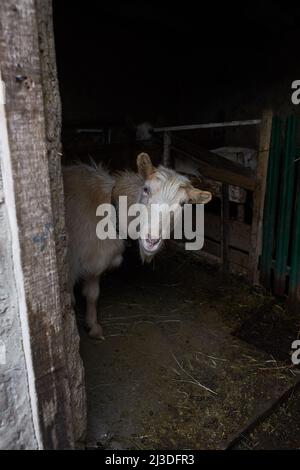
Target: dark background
[174, 63]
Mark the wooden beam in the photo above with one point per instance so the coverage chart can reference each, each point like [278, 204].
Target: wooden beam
[271, 205]
[28, 164]
[234, 176]
[53, 118]
[211, 125]
[238, 261]
[214, 166]
[259, 195]
[16, 365]
[239, 233]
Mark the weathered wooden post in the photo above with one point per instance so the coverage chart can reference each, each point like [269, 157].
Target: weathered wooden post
[269, 220]
[33, 197]
[53, 121]
[259, 196]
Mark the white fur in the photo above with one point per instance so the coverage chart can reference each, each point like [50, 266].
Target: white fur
[86, 187]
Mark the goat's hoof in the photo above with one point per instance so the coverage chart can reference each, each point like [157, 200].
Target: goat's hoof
[96, 332]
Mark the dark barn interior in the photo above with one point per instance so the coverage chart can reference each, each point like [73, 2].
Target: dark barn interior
[195, 356]
[168, 65]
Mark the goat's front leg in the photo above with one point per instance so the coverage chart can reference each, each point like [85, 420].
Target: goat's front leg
[91, 291]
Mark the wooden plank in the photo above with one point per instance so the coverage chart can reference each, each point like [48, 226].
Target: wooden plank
[214, 166]
[285, 208]
[21, 429]
[211, 252]
[52, 107]
[240, 212]
[259, 195]
[228, 176]
[27, 162]
[294, 284]
[270, 205]
[239, 233]
[212, 125]
[235, 257]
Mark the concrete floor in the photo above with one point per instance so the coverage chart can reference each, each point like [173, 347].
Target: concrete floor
[172, 373]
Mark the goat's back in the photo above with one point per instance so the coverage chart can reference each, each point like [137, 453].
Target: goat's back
[86, 187]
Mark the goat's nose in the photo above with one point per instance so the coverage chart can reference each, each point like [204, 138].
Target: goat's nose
[152, 241]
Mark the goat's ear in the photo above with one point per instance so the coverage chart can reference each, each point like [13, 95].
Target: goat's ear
[144, 164]
[196, 196]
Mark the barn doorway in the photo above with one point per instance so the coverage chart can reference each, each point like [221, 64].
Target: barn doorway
[182, 364]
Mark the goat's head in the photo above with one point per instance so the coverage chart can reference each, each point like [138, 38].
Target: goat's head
[164, 194]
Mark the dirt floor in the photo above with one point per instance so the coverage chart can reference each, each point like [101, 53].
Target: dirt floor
[193, 359]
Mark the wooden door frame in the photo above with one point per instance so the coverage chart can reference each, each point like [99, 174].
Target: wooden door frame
[31, 170]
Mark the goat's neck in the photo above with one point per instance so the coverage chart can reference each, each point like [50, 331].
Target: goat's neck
[127, 184]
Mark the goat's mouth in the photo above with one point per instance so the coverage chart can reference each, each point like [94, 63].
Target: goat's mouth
[151, 245]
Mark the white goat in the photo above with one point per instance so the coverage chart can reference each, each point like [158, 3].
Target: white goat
[86, 187]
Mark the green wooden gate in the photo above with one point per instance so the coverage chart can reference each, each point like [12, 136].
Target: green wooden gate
[280, 259]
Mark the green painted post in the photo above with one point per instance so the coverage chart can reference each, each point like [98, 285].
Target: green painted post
[294, 284]
[270, 204]
[285, 209]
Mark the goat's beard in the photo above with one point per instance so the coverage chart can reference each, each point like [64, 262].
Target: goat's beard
[146, 256]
